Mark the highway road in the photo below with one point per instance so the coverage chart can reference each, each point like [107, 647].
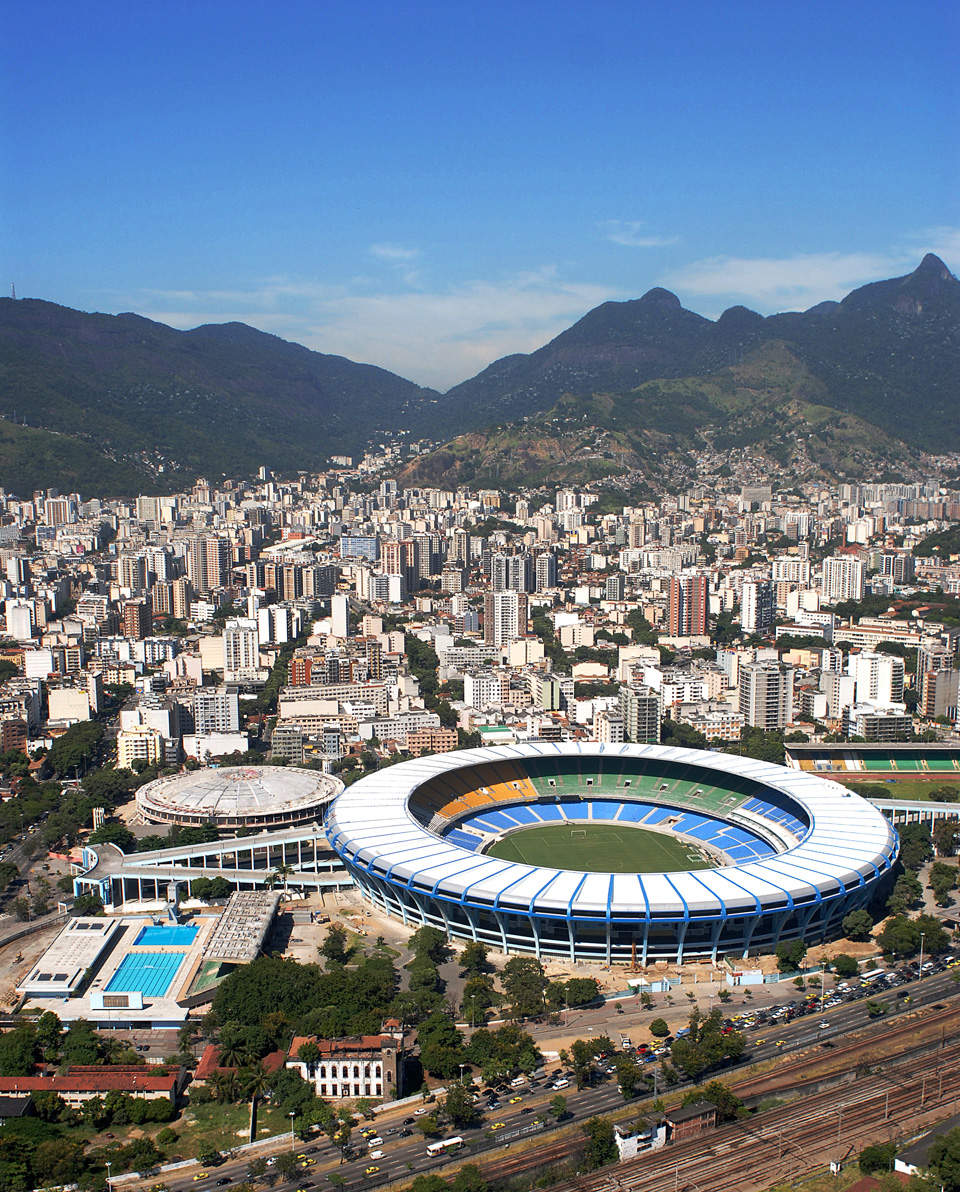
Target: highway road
[405, 1158]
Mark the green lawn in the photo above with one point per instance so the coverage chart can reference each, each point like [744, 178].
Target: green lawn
[902, 788]
[613, 848]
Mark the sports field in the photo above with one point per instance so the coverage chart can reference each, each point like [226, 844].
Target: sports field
[603, 848]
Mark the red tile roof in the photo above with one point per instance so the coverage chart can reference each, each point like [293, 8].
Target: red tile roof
[102, 1081]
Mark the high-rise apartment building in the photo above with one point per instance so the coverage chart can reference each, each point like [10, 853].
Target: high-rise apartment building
[878, 678]
[640, 714]
[208, 563]
[766, 694]
[756, 607]
[241, 650]
[842, 578]
[687, 606]
[216, 710]
[504, 617]
[546, 571]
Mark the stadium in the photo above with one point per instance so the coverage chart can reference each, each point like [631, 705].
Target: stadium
[238, 797]
[611, 854]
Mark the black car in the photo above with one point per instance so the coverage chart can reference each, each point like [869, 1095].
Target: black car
[226, 1180]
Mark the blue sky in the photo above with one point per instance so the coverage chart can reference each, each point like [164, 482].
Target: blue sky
[428, 186]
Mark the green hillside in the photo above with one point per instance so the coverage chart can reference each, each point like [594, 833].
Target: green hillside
[769, 405]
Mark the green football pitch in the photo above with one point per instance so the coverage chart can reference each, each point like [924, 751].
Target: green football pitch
[603, 848]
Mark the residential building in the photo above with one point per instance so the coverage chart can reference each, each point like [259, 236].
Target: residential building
[687, 606]
[766, 694]
[640, 713]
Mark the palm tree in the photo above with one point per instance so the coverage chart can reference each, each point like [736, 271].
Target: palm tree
[254, 1080]
[280, 875]
[234, 1049]
[224, 1085]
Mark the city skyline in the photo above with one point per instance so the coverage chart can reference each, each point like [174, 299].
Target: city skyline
[427, 191]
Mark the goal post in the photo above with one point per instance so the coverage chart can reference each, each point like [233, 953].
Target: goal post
[578, 833]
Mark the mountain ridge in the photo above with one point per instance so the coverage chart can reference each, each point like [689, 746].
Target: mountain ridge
[122, 403]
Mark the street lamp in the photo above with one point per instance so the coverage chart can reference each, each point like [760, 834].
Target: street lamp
[109, 1165]
[473, 1009]
[291, 1115]
[923, 936]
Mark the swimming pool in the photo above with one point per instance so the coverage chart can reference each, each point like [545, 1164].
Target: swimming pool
[177, 935]
[149, 973]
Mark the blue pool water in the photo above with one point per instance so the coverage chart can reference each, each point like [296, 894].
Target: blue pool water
[180, 935]
[149, 973]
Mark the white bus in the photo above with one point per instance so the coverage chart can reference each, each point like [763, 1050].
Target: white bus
[444, 1145]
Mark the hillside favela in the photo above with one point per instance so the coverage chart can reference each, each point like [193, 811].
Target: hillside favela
[554, 782]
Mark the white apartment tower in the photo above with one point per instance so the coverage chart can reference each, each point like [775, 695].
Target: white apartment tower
[241, 650]
[878, 678]
[842, 578]
[766, 694]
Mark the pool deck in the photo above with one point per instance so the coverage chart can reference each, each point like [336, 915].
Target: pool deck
[163, 1009]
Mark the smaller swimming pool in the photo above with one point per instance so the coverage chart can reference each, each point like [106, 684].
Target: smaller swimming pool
[176, 935]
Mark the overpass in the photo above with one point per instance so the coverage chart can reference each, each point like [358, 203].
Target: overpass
[298, 857]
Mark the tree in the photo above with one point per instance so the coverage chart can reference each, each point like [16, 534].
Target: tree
[524, 984]
[580, 991]
[286, 1164]
[946, 834]
[430, 943]
[441, 1047]
[900, 937]
[601, 1147]
[706, 1046]
[81, 1043]
[729, 1105]
[844, 965]
[256, 1169]
[790, 954]
[115, 833]
[630, 1076]
[87, 904]
[558, 1107]
[57, 1161]
[857, 924]
[941, 880]
[334, 946]
[459, 1107]
[659, 1028]
[877, 1157]
[582, 1053]
[473, 959]
[945, 1160]
[429, 1125]
[916, 845]
[936, 937]
[907, 894]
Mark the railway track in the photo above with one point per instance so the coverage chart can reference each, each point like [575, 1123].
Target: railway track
[926, 1073]
[792, 1138]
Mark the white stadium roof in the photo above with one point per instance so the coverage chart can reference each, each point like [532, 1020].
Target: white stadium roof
[371, 824]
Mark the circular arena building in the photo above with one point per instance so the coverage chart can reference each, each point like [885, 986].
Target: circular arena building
[611, 853]
[239, 797]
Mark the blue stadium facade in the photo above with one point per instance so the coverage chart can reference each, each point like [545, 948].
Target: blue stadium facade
[793, 852]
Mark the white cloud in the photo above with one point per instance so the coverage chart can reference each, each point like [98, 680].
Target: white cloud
[944, 241]
[775, 283]
[804, 279]
[436, 337]
[393, 252]
[631, 234]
